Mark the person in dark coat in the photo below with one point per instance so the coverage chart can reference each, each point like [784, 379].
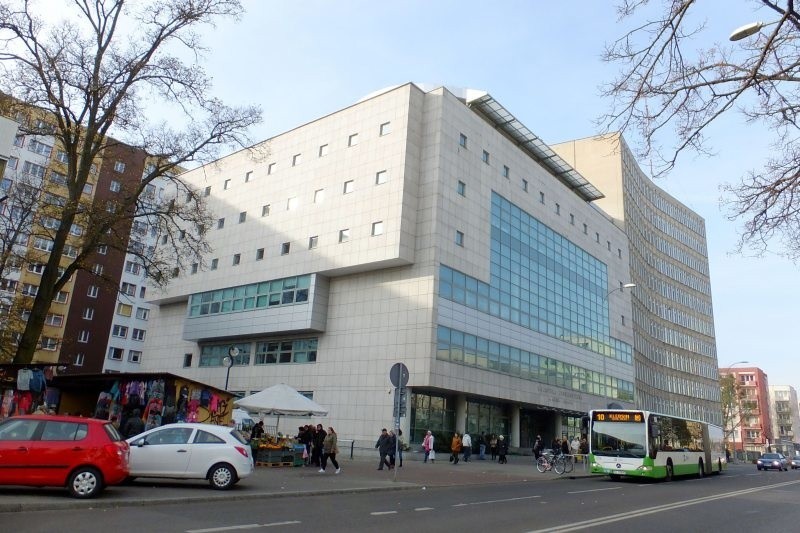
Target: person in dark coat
[565, 446]
[537, 447]
[134, 425]
[316, 450]
[502, 449]
[384, 445]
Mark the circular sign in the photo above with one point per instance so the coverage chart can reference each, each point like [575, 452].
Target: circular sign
[399, 375]
[233, 351]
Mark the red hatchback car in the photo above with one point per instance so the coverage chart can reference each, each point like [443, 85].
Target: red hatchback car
[82, 454]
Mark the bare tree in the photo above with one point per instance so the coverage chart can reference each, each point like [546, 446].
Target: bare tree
[667, 88]
[735, 406]
[92, 75]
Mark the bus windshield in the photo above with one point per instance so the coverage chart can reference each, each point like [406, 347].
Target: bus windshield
[619, 439]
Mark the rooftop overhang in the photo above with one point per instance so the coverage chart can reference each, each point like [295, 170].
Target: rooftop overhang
[515, 130]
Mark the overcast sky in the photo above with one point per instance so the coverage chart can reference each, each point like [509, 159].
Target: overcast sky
[541, 60]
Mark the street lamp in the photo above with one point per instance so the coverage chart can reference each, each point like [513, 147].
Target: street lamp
[620, 288]
[749, 29]
[229, 361]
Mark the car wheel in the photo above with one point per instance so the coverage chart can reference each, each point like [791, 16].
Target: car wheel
[85, 482]
[222, 476]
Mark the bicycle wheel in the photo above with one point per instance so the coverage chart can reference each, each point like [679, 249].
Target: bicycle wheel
[569, 464]
[541, 465]
[560, 465]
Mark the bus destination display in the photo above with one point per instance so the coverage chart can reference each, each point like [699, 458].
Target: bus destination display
[617, 416]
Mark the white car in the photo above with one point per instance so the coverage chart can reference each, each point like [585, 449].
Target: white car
[192, 451]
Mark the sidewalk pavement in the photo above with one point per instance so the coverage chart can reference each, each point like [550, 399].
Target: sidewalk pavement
[358, 475]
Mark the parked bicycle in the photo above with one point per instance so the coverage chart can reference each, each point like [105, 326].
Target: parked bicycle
[559, 463]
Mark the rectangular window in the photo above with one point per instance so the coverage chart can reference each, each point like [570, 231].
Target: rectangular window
[83, 336]
[312, 242]
[12, 163]
[40, 148]
[585, 229]
[386, 128]
[572, 219]
[19, 140]
[597, 237]
[319, 195]
[259, 254]
[134, 356]
[124, 309]
[142, 313]
[558, 209]
[37, 171]
[195, 268]
[541, 197]
[297, 159]
[377, 228]
[50, 343]
[291, 203]
[92, 292]
[462, 140]
[381, 177]
[214, 263]
[62, 157]
[242, 216]
[485, 157]
[187, 360]
[608, 245]
[265, 210]
[248, 176]
[323, 150]
[61, 297]
[97, 269]
[459, 238]
[115, 353]
[227, 184]
[128, 288]
[88, 188]
[207, 191]
[285, 248]
[119, 167]
[119, 331]
[132, 267]
[54, 320]
[506, 172]
[115, 186]
[619, 253]
[58, 178]
[79, 359]
[525, 185]
[352, 140]
[237, 258]
[344, 235]
[220, 223]
[461, 188]
[102, 249]
[138, 334]
[348, 187]
[270, 168]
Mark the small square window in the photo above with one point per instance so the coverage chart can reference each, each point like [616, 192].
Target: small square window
[187, 360]
[83, 336]
[377, 228]
[214, 263]
[297, 159]
[227, 184]
[386, 128]
[119, 167]
[115, 186]
[323, 150]
[207, 192]
[195, 267]
[134, 356]
[312, 242]
[462, 140]
[259, 254]
[319, 195]
[285, 248]
[485, 157]
[352, 140]
[248, 176]
[265, 210]
[344, 235]
[291, 203]
[381, 177]
[506, 172]
[92, 292]
[242, 216]
[237, 258]
[461, 188]
[102, 249]
[270, 168]
[348, 187]
[88, 313]
[459, 238]
[220, 223]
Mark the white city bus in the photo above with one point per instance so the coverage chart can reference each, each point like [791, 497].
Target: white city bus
[645, 444]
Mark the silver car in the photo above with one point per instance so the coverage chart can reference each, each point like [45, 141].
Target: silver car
[768, 461]
[192, 451]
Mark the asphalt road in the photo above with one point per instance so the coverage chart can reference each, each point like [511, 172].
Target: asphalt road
[742, 499]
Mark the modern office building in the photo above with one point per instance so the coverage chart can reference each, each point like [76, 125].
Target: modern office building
[673, 322]
[422, 226]
[84, 320]
[785, 417]
[752, 427]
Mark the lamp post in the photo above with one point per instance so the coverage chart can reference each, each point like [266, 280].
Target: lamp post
[735, 394]
[750, 29]
[229, 361]
[620, 288]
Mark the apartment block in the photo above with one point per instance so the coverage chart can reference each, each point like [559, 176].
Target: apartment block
[785, 417]
[752, 427]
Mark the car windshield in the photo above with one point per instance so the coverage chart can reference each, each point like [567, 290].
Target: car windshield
[770, 456]
[618, 439]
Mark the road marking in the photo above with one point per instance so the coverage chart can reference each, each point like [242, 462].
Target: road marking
[424, 509]
[576, 526]
[496, 501]
[379, 513]
[243, 526]
[593, 490]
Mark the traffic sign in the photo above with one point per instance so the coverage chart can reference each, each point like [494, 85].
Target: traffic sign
[399, 375]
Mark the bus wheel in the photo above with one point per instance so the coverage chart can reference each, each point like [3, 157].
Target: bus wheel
[670, 474]
[700, 470]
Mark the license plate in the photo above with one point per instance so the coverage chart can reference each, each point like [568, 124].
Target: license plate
[622, 472]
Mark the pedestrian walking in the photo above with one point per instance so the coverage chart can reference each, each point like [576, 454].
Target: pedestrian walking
[565, 446]
[427, 445]
[482, 447]
[466, 446]
[537, 447]
[330, 447]
[382, 446]
[493, 446]
[317, 442]
[392, 449]
[455, 448]
[502, 449]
